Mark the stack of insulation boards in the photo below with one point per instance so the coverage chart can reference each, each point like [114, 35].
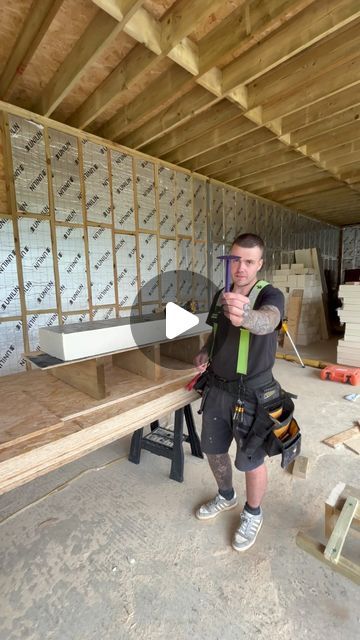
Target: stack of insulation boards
[348, 351]
[297, 276]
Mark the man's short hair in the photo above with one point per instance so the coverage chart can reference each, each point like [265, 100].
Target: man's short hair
[249, 240]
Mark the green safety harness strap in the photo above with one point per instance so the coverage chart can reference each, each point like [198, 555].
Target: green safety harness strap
[244, 339]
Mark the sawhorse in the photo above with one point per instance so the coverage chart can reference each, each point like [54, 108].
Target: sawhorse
[167, 443]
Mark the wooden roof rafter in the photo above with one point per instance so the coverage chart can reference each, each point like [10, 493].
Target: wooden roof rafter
[274, 85]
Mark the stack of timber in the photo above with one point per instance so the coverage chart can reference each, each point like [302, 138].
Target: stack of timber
[348, 350]
[299, 277]
[48, 422]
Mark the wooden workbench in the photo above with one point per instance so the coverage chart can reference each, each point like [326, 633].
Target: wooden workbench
[47, 423]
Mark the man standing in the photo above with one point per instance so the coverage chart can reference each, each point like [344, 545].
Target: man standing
[241, 351]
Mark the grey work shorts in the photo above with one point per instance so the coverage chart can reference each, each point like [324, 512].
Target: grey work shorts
[218, 431]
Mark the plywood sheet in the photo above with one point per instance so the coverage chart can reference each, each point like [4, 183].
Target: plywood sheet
[68, 25]
[95, 75]
[22, 416]
[137, 87]
[12, 18]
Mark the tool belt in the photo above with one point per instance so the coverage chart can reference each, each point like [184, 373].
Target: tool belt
[274, 427]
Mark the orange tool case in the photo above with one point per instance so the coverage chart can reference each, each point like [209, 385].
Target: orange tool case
[339, 373]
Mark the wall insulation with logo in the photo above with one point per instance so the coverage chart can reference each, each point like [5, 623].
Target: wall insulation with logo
[87, 224]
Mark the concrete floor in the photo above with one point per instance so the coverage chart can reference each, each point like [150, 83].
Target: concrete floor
[106, 549]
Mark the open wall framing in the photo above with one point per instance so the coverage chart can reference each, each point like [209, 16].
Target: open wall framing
[85, 222]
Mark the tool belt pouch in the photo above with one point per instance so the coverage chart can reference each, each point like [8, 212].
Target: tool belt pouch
[266, 398]
[260, 430]
[284, 438]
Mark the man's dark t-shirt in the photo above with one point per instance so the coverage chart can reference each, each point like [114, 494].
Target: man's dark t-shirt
[262, 349]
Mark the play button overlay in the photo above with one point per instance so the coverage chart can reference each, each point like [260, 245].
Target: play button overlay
[178, 320]
[170, 308]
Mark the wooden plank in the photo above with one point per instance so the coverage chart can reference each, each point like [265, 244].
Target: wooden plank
[293, 316]
[244, 29]
[37, 22]
[223, 151]
[118, 8]
[84, 218]
[339, 438]
[184, 350]
[185, 109]
[346, 76]
[313, 24]
[325, 56]
[345, 567]
[215, 116]
[217, 136]
[23, 417]
[336, 541]
[321, 110]
[353, 444]
[102, 30]
[12, 205]
[32, 464]
[88, 377]
[303, 135]
[144, 362]
[174, 27]
[17, 447]
[334, 504]
[162, 91]
[300, 467]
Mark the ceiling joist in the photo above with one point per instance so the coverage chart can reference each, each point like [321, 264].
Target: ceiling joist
[263, 95]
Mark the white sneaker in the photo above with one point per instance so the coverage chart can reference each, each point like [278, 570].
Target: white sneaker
[215, 506]
[247, 532]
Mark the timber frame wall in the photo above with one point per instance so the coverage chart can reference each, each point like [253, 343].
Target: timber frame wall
[78, 236]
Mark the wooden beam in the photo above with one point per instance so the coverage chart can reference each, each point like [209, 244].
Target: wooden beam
[223, 112]
[350, 176]
[337, 539]
[174, 25]
[229, 148]
[97, 36]
[183, 110]
[245, 28]
[313, 24]
[210, 140]
[145, 29]
[316, 549]
[343, 134]
[87, 376]
[330, 155]
[343, 161]
[143, 362]
[40, 16]
[347, 75]
[277, 159]
[159, 93]
[303, 165]
[294, 192]
[118, 8]
[323, 58]
[120, 79]
[279, 179]
[328, 106]
[303, 135]
[183, 18]
[242, 157]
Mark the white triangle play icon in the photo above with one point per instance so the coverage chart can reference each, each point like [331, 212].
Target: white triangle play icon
[178, 320]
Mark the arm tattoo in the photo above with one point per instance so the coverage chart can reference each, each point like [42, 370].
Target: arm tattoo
[263, 321]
